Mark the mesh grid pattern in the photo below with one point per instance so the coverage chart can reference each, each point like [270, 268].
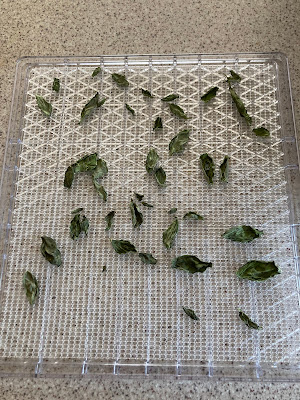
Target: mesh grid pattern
[134, 311]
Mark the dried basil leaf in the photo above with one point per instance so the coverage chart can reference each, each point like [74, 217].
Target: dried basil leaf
[191, 264]
[170, 234]
[101, 169]
[233, 78]
[258, 270]
[84, 225]
[100, 190]
[50, 251]
[89, 107]
[139, 196]
[75, 227]
[178, 111]
[242, 233]
[131, 110]
[120, 80]
[109, 220]
[208, 167]
[263, 132]
[151, 161]
[69, 177]
[31, 286]
[157, 124]
[172, 211]
[248, 321]
[96, 71]
[147, 258]
[136, 215]
[160, 176]
[190, 313]
[170, 97]
[240, 106]
[104, 268]
[192, 215]
[122, 246]
[86, 163]
[178, 142]
[210, 94]
[78, 210]
[101, 102]
[224, 167]
[44, 106]
[147, 204]
[56, 85]
[146, 93]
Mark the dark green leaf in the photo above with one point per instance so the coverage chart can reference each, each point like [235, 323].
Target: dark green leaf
[75, 227]
[50, 251]
[224, 170]
[131, 110]
[233, 78]
[152, 159]
[136, 215]
[178, 142]
[170, 97]
[100, 170]
[109, 220]
[172, 211]
[44, 106]
[240, 106]
[147, 258]
[210, 94]
[190, 264]
[139, 196]
[122, 246]
[96, 71]
[208, 167]
[78, 210]
[158, 124]
[104, 268]
[84, 225]
[160, 176]
[248, 321]
[146, 93]
[100, 190]
[258, 270]
[56, 85]
[86, 163]
[192, 215]
[178, 111]
[89, 107]
[170, 233]
[69, 176]
[190, 313]
[243, 234]
[263, 132]
[120, 80]
[147, 204]
[31, 286]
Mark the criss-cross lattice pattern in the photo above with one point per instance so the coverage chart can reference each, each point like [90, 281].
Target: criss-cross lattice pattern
[134, 311]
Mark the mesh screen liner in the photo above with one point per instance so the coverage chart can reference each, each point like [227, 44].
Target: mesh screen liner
[134, 311]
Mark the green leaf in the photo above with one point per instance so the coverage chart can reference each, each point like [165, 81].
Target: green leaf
[31, 286]
[157, 124]
[78, 210]
[75, 227]
[172, 211]
[151, 161]
[240, 106]
[208, 167]
[210, 94]
[50, 251]
[233, 78]
[178, 111]
[139, 196]
[178, 142]
[170, 97]
[146, 93]
[109, 220]
[100, 190]
[190, 313]
[242, 233]
[89, 107]
[147, 204]
[101, 169]
[86, 163]
[258, 270]
[160, 176]
[191, 264]
[104, 268]
[84, 225]
[147, 258]
[69, 177]
[224, 167]
[192, 215]
[170, 233]
[248, 321]
[56, 85]
[263, 132]
[96, 71]
[101, 102]
[120, 80]
[136, 215]
[122, 246]
[44, 106]
[131, 110]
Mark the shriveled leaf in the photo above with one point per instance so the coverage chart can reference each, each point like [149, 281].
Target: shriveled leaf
[172, 210]
[69, 177]
[170, 233]
[192, 215]
[151, 161]
[191, 264]
[147, 204]
[86, 163]
[31, 286]
[104, 268]
[210, 94]
[44, 106]
[234, 77]
[120, 80]
[248, 321]
[242, 233]
[208, 167]
[146, 93]
[84, 225]
[224, 167]
[89, 107]
[240, 106]
[136, 215]
[170, 97]
[190, 313]
[122, 246]
[160, 176]
[78, 210]
[263, 132]
[131, 110]
[157, 124]
[50, 251]
[100, 190]
[75, 227]
[139, 196]
[96, 71]
[258, 270]
[178, 142]
[56, 85]
[178, 111]
[109, 220]
[100, 170]
[147, 258]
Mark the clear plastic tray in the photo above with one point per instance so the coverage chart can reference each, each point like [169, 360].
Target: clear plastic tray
[128, 321]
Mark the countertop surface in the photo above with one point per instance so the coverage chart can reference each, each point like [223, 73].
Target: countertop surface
[95, 27]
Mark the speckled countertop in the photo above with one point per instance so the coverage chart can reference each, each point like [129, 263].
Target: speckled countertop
[94, 27]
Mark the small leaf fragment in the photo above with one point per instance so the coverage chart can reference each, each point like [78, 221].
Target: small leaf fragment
[56, 85]
[170, 233]
[151, 161]
[86, 163]
[248, 321]
[78, 210]
[96, 71]
[224, 167]
[104, 268]
[50, 251]
[210, 94]
[233, 78]
[109, 220]
[179, 141]
[242, 233]
[90, 106]
[208, 167]
[146, 93]
[44, 106]
[170, 97]
[31, 286]
[192, 215]
[263, 132]
[122, 246]
[147, 258]
[178, 111]
[120, 80]
[240, 106]
[139, 196]
[157, 124]
[100, 190]
[191, 264]
[147, 204]
[190, 313]
[131, 110]
[172, 210]
[69, 177]
[258, 270]
[136, 215]
[160, 176]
